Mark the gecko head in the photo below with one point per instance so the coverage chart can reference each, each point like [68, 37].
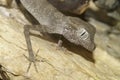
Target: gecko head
[81, 34]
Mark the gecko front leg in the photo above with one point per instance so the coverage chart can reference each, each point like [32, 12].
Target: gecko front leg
[32, 56]
[40, 28]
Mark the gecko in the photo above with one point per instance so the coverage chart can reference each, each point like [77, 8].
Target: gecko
[52, 21]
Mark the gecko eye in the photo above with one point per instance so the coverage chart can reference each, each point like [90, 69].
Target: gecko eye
[83, 34]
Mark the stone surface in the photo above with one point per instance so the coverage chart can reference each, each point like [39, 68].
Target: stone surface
[56, 64]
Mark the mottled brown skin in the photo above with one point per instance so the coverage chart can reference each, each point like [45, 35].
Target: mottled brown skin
[74, 6]
[53, 21]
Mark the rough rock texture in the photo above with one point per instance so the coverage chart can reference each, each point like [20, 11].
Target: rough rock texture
[56, 64]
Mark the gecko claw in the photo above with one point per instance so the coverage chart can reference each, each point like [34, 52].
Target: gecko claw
[29, 66]
[32, 60]
[30, 63]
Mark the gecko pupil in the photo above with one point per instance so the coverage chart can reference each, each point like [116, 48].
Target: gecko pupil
[83, 33]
